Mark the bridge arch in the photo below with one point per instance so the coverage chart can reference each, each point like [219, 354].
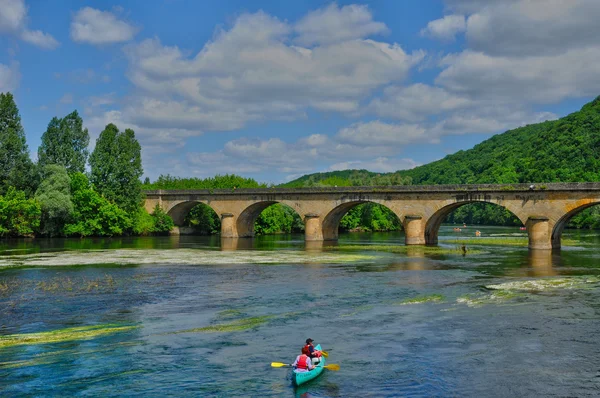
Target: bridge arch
[178, 211]
[245, 223]
[434, 222]
[331, 221]
[564, 220]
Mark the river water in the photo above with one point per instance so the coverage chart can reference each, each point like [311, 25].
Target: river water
[190, 316]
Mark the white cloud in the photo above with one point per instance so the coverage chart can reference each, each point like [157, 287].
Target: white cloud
[93, 26]
[534, 27]
[13, 20]
[536, 79]
[377, 133]
[335, 24]
[9, 77]
[12, 15]
[416, 102]
[251, 72]
[445, 28]
[40, 39]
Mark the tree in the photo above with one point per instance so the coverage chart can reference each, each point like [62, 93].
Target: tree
[19, 216]
[65, 143]
[94, 215]
[116, 167]
[16, 168]
[54, 195]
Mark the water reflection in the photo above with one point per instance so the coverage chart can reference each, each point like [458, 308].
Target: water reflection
[232, 244]
[542, 262]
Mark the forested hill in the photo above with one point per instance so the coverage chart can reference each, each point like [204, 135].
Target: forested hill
[564, 150]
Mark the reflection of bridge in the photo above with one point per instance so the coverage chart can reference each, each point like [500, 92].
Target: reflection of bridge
[544, 209]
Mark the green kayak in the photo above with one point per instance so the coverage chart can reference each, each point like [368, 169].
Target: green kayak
[302, 377]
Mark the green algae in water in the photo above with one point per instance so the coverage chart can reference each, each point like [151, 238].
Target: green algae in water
[357, 310]
[408, 249]
[231, 313]
[234, 326]
[431, 298]
[501, 241]
[576, 282]
[61, 335]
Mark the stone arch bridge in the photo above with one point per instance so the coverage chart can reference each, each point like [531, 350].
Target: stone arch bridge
[544, 209]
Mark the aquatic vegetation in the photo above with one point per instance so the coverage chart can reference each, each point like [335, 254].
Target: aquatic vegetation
[408, 249]
[179, 256]
[500, 241]
[431, 298]
[61, 335]
[575, 282]
[233, 326]
[357, 310]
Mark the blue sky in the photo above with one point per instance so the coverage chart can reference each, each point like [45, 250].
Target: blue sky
[277, 89]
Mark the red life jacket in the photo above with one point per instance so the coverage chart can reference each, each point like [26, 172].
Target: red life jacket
[303, 362]
[315, 353]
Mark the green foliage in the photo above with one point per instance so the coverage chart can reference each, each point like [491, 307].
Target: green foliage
[54, 196]
[19, 216]
[370, 217]
[483, 214]
[218, 182]
[203, 219]
[276, 219]
[163, 224]
[116, 167]
[94, 215]
[16, 168]
[345, 178]
[143, 222]
[65, 143]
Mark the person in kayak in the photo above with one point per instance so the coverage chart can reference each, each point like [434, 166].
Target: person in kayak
[315, 355]
[303, 362]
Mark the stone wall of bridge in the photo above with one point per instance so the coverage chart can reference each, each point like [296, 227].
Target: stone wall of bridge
[543, 208]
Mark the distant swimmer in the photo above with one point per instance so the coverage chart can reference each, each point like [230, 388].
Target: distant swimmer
[477, 233]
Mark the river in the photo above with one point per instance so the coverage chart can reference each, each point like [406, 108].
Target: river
[184, 316]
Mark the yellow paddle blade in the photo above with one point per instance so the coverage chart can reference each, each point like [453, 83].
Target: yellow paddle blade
[279, 364]
[325, 353]
[332, 366]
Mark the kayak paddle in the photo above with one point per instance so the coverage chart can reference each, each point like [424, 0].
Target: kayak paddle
[325, 353]
[332, 366]
[279, 364]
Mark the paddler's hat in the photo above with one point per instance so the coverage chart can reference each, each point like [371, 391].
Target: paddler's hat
[308, 341]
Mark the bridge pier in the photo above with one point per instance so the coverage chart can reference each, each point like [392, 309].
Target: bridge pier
[413, 230]
[313, 227]
[228, 227]
[538, 229]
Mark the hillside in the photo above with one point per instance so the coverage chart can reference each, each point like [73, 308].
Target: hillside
[564, 150]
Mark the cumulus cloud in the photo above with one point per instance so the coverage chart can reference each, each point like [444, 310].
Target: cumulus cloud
[251, 72]
[335, 24]
[534, 27]
[39, 38]
[377, 133]
[539, 79]
[445, 28]
[13, 20]
[416, 102]
[93, 26]
[9, 77]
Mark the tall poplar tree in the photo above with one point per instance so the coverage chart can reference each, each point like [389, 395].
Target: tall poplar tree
[116, 167]
[65, 143]
[16, 168]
